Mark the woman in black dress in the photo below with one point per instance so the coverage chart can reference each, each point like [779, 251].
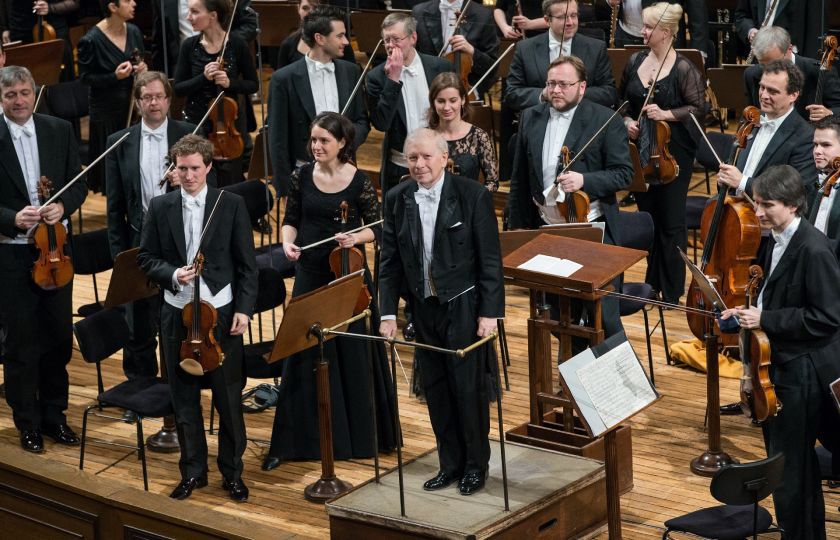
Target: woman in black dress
[312, 214]
[110, 55]
[293, 47]
[680, 90]
[199, 78]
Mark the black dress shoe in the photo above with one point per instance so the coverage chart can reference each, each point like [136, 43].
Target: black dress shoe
[731, 409]
[186, 487]
[408, 332]
[237, 489]
[61, 433]
[471, 482]
[31, 441]
[628, 200]
[440, 481]
[270, 463]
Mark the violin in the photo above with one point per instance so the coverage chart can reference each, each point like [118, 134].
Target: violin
[575, 205]
[661, 167]
[758, 395]
[200, 352]
[830, 181]
[226, 139]
[345, 261]
[826, 62]
[53, 268]
[43, 31]
[463, 63]
[731, 234]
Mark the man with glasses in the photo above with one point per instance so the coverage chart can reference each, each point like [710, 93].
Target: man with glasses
[134, 171]
[565, 118]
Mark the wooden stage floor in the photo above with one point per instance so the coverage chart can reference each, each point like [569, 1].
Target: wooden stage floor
[666, 436]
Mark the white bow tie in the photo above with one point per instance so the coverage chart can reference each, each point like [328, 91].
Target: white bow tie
[23, 130]
[558, 114]
[768, 124]
[326, 67]
[188, 202]
[427, 195]
[409, 70]
[156, 135]
[445, 5]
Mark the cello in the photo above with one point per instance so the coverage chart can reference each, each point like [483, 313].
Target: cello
[226, 139]
[758, 395]
[53, 269]
[575, 205]
[200, 352]
[731, 234]
[826, 62]
[344, 261]
[463, 64]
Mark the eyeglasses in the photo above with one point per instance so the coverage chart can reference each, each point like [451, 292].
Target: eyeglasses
[149, 99]
[563, 85]
[393, 40]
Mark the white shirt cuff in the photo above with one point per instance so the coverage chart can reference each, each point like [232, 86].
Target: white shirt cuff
[742, 186]
[388, 318]
[175, 284]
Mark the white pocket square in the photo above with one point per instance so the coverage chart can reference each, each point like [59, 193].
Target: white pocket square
[453, 226]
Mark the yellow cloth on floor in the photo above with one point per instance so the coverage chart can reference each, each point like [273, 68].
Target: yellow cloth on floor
[692, 352]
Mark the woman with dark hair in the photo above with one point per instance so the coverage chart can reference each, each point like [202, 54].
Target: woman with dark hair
[110, 55]
[294, 48]
[313, 212]
[200, 77]
[470, 147]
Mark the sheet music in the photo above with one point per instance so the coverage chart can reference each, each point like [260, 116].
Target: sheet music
[554, 266]
[616, 384]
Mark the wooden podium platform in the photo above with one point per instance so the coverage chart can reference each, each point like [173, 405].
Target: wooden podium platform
[552, 495]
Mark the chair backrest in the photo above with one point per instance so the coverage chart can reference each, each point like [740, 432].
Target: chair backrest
[696, 58]
[258, 199]
[721, 142]
[277, 21]
[618, 60]
[746, 483]
[503, 68]
[727, 82]
[636, 230]
[68, 100]
[259, 159]
[91, 252]
[271, 290]
[367, 28]
[101, 335]
[43, 59]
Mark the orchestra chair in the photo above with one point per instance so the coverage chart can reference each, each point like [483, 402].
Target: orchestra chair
[277, 21]
[43, 59]
[366, 28]
[503, 68]
[618, 60]
[483, 116]
[91, 255]
[727, 82]
[258, 202]
[100, 336]
[739, 486]
[69, 101]
[637, 233]
[722, 143]
[694, 207]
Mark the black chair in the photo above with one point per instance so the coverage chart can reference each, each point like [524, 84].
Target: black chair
[722, 143]
[739, 487]
[69, 100]
[258, 201]
[694, 207]
[100, 336]
[91, 255]
[637, 233]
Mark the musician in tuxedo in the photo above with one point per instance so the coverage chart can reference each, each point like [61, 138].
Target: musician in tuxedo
[526, 79]
[799, 310]
[784, 136]
[567, 119]
[39, 322]
[177, 226]
[476, 36]
[133, 174]
[398, 93]
[799, 17]
[773, 43]
[318, 82]
[441, 242]
[823, 210]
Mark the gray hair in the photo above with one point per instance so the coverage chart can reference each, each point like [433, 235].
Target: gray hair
[426, 134]
[12, 75]
[769, 37]
[409, 22]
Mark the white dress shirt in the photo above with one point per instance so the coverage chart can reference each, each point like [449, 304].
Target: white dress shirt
[448, 19]
[554, 46]
[428, 201]
[782, 241]
[762, 139]
[185, 29]
[324, 87]
[631, 17]
[821, 221]
[192, 210]
[26, 148]
[154, 147]
[555, 135]
[415, 94]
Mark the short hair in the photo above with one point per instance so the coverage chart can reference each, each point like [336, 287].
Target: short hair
[546, 5]
[666, 15]
[319, 21]
[784, 184]
[221, 7]
[12, 75]
[794, 75]
[831, 122]
[340, 127]
[768, 38]
[409, 22]
[189, 145]
[103, 7]
[148, 77]
[574, 61]
[439, 84]
[420, 134]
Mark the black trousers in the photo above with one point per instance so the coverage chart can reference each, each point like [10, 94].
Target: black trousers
[140, 355]
[39, 341]
[226, 384]
[455, 388]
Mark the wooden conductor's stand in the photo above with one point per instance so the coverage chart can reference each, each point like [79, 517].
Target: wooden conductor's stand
[307, 322]
[553, 424]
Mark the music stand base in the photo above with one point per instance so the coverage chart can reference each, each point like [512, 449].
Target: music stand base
[708, 463]
[164, 441]
[325, 489]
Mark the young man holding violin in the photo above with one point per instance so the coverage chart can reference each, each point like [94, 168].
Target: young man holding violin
[824, 212]
[798, 308]
[177, 227]
[39, 321]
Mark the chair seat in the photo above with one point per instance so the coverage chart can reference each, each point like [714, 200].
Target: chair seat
[724, 522]
[147, 396]
[694, 206]
[627, 306]
[89, 309]
[255, 365]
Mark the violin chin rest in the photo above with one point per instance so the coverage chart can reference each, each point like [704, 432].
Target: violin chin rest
[192, 367]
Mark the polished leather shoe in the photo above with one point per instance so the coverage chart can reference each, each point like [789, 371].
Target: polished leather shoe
[31, 441]
[440, 481]
[61, 433]
[471, 482]
[628, 200]
[237, 489]
[731, 409]
[408, 332]
[186, 487]
[270, 463]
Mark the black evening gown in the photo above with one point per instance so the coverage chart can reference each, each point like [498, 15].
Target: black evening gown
[315, 214]
[109, 98]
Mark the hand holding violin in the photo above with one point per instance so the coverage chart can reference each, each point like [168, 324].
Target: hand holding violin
[656, 114]
[632, 128]
[185, 274]
[40, 7]
[749, 318]
[570, 181]
[460, 44]
[345, 240]
[174, 178]
[511, 32]
[124, 70]
[52, 213]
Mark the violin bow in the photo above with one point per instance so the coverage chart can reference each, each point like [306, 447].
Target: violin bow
[227, 31]
[705, 138]
[563, 33]
[331, 238]
[658, 71]
[361, 78]
[474, 88]
[38, 99]
[457, 25]
[591, 139]
[207, 225]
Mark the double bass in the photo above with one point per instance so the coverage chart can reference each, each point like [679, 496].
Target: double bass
[345, 261]
[226, 139]
[731, 234]
[53, 268]
[758, 396]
